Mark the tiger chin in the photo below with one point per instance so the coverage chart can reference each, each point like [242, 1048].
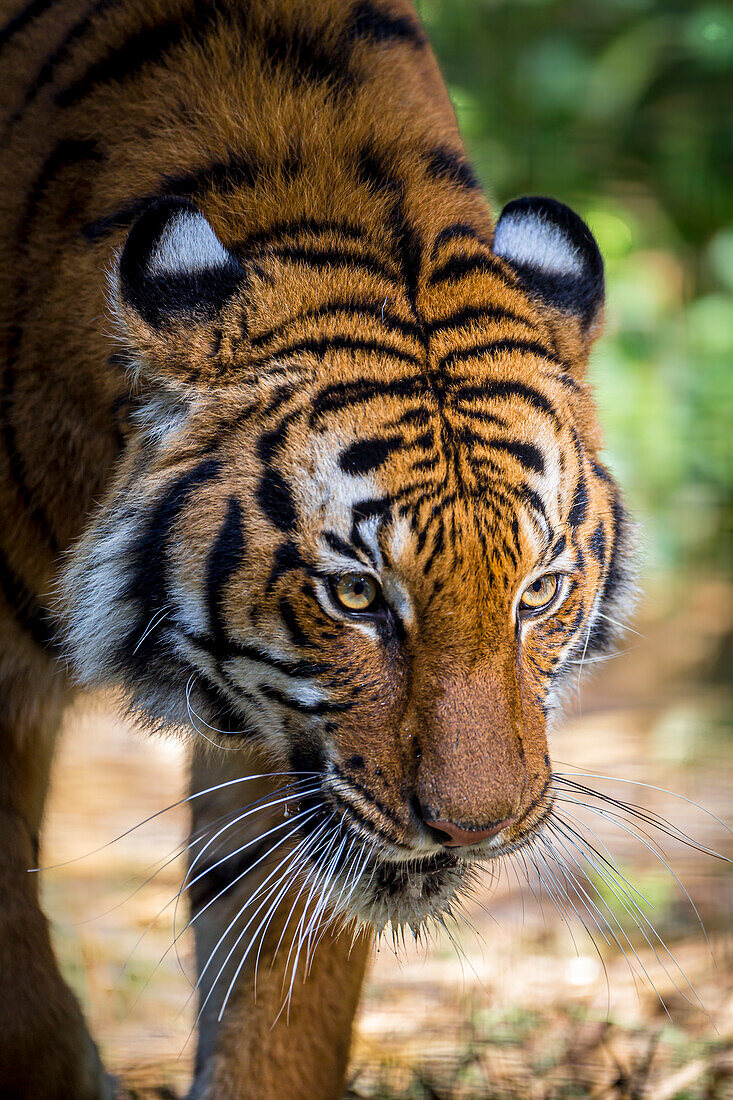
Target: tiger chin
[299, 459]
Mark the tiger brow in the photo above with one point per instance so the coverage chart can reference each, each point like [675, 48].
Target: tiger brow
[341, 546]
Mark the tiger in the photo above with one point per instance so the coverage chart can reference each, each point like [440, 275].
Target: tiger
[299, 462]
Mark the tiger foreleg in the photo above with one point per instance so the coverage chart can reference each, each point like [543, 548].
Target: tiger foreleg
[266, 1031]
[46, 1052]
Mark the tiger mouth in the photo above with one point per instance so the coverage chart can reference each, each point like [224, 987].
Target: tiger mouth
[409, 892]
[376, 879]
[367, 885]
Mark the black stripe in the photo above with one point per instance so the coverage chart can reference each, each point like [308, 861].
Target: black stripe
[298, 669]
[324, 344]
[367, 795]
[616, 576]
[324, 707]
[444, 163]
[354, 308]
[271, 442]
[459, 267]
[333, 257]
[221, 176]
[437, 547]
[528, 496]
[366, 509]
[25, 607]
[23, 18]
[286, 559]
[526, 453]
[358, 391]
[339, 545]
[295, 226]
[232, 650]
[224, 558]
[380, 26]
[557, 548]
[60, 54]
[66, 154]
[300, 54]
[494, 347]
[372, 171]
[455, 231]
[597, 543]
[146, 47]
[290, 621]
[475, 313]
[505, 389]
[147, 582]
[470, 438]
[579, 507]
[276, 500]
[366, 455]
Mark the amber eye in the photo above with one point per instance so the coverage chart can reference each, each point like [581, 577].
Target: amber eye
[356, 591]
[540, 593]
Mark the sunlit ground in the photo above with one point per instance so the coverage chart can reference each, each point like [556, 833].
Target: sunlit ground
[532, 1010]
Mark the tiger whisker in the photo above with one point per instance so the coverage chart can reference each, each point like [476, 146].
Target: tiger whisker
[172, 946]
[160, 865]
[351, 881]
[649, 816]
[597, 913]
[313, 874]
[180, 851]
[192, 714]
[254, 840]
[286, 923]
[653, 848]
[608, 856]
[165, 810]
[637, 915]
[566, 884]
[621, 626]
[155, 621]
[585, 650]
[186, 885]
[535, 858]
[304, 847]
[303, 933]
[603, 656]
[289, 856]
[322, 902]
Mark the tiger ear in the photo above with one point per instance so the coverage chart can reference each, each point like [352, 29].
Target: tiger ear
[558, 263]
[173, 281]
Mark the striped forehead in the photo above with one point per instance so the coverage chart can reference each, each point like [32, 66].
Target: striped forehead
[389, 478]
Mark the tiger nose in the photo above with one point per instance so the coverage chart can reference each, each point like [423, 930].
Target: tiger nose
[453, 836]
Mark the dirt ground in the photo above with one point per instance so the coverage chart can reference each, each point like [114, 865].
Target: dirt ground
[531, 1010]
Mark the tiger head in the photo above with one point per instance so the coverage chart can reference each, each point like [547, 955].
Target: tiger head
[361, 526]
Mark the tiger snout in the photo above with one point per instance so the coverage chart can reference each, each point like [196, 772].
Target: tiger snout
[470, 774]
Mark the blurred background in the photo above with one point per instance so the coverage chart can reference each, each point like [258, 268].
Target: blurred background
[624, 110]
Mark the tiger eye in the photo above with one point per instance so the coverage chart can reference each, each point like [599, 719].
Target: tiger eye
[540, 593]
[356, 591]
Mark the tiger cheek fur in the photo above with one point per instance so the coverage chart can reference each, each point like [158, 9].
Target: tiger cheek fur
[262, 334]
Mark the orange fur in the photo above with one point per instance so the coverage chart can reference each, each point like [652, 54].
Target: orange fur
[375, 367]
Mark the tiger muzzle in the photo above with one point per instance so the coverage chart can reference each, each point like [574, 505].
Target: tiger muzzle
[482, 755]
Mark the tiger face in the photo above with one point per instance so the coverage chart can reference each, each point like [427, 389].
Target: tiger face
[362, 528]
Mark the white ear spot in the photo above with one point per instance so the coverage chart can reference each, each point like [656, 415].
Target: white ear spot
[187, 244]
[527, 240]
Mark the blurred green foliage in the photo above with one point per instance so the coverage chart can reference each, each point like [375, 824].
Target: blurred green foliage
[624, 110]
